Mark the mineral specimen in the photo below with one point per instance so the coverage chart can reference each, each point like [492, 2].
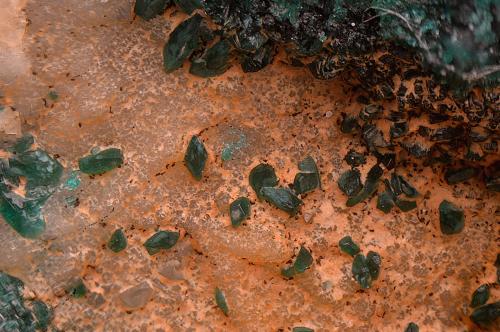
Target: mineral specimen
[282, 198]
[239, 210]
[373, 261]
[118, 241]
[147, 9]
[308, 178]
[78, 289]
[361, 271]
[371, 185]
[301, 264]
[451, 218]
[262, 175]
[486, 314]
[214, 62]
[350, 182]
[348, 246]
[220, 299]
[161, 240]
[412, 327]
[480, 296]
[196, 157]
[101, 162]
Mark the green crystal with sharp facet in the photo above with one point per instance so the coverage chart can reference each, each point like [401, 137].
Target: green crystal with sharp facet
[161, 240]
[361, 271]
[196, 157]
[348, 246]
[303, 261]
[451, 218]
[220, 299]
[239, 210]
[282, 198]
[101, 162]
[480, 296]
[118, 241]
[262, 175]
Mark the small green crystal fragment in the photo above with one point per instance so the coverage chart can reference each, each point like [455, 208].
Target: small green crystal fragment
[262, 175]
[188, 6]
[73, 181]
[23, 144]
[361, 271]
[161, 240]
[303, 261]
[486, 314]
[371, 185]
[412, 327]
[374, 261]
[214, 62]
[451, 218]
[38, 167]
[78, 289]
[405, 205]
[348, 246]
[182, 42]
[385, 202]
[148, 9]
[302, 329]
[118, 241]
[308, 179]
[226, 154]
[53, 95]
[480, 296]
[454, 176]
[282, 198]
[220, 299]
[239, 210]
[101, 162]
[196, 157]
[350, 182]
[43, 315]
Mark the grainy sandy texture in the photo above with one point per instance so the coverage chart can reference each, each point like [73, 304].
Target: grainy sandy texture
[107, 70]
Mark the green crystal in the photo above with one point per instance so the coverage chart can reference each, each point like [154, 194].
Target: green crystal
[302, 329]
[53, 95]
[262, 175]
[23, 144]
[182, 42]
[239, 210]
[188, 6]
[118, 241]
[480, 296]
[214, 62]
[412, 327]
[405, 205]
[350, 182]
[73, 181]
[43, 315]
[25, 219]
[303, 261]
[451, 218]
[308, 179]
[101, 162]
[399, 185]
[361, 271]
[454, 176]
[348, 246]
[486, 314]
[148, 9]
[371, 185]
[282, 198]
[161, 240]
[220, 299]
[39, 169]
[14, 316]
[385, 202]
[374, 261]
[196, 157]
[78, 289]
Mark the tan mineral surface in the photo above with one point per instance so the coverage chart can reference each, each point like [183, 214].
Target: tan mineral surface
[106, 68]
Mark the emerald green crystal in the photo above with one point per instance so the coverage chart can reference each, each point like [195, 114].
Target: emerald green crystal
[348, 246]
[361, 271]
[385, 202]
[148, 9]
[196, 157]
[14, 315]
[302, 329]
[405, 205]
[480, 296]
[214, 62]
[25, 219]
[220, 299]
[38, 168]
[486, 314]
[458, 175]
[262, 175]
[23, 144]
[43, 315]
[371, 185]
[303, 261]
[350, 182]
[161, 240]
[239, 210]
[188, 6]
[373, 260]
[118, 241]
[308, 178]
[78, 289]
[282, 198]
[412, 327]
[182, 42]
[451, 218]
[73, 181]
[101, 162]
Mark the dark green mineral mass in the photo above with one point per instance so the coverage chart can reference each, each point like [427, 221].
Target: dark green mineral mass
[101, 162]
[161, 240]
[451, 218]
[196, 157]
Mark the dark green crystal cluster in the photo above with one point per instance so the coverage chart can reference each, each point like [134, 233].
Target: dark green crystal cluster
[364, 269]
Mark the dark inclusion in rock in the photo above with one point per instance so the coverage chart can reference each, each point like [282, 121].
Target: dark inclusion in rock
[148, 9]
[118, 241]
[412, 327]
[282, 198]
[78, 289]
[15, 313]
[361, 271]
[451, 218]
[161, 240]
[188, 6]
[457, 175]
[303, 261]
[348, 246]
[400, 186]
[349, 125]
[480, 296]
[101, 162]
[23, 144]
[350, 182]
[486, 314]
[220, 299]
[239, 210]
[214, 62]
[196, 157]
[253, 62]
[262, 175]
[354, 159]
[371, 185]
[302, 329]
[308, 178]
[371, 112]
[182, 42]
[385, 201]
[374, 261]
